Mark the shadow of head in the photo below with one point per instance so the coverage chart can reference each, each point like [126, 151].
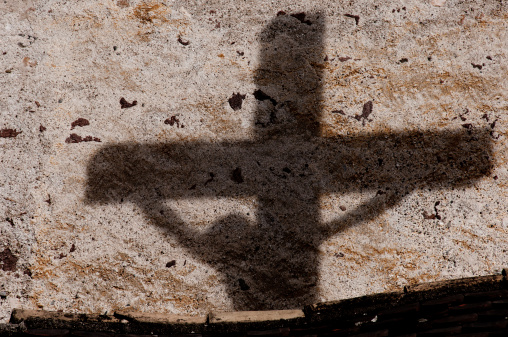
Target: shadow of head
[289, 76]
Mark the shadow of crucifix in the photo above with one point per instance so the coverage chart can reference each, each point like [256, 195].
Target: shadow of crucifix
[273, 263]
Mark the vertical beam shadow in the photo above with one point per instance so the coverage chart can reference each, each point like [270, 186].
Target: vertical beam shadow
[273, 264]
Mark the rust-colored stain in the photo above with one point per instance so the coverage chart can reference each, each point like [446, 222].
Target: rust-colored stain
[28, 63]
[148, 12]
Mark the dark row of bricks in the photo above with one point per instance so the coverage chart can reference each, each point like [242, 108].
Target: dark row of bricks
[472, 315]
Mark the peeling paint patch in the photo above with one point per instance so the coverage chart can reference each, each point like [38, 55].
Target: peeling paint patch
[80, 122]
[9, 133]
[8, 260]
[172, 121]
[124, 104]
[235, 102]
[367, 110]
[74, 138]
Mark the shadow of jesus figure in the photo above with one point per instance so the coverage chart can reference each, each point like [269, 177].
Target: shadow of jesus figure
[274, 263]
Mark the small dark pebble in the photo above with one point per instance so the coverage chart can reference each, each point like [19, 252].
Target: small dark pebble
[171, 264]
[80, 122]
[495, 177]
[467, 126]
[115, 48]
[9, 133]
[124, 104]
[279, 13]
[38, 104]
[240, 53]
[338, 112]
[479, 66]
[60, 100]
[73, 248]
[344, 59]
[235, 102]
[343, 208]
[489, 58]
[42, 128]
[243, 285]
[339, 254]
[9, 220]
[403, 60]
[286, 169]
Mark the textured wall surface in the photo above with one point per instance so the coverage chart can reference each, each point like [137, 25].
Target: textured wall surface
[279, 152]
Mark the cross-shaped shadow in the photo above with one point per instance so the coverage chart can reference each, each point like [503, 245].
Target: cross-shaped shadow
[286, 167]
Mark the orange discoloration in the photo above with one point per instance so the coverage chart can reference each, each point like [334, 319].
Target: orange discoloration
[27, 62]
[150, 12]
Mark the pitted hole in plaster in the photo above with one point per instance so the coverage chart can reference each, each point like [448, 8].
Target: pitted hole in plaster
[201, 213]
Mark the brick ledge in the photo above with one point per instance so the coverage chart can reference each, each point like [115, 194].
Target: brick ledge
[276, 322]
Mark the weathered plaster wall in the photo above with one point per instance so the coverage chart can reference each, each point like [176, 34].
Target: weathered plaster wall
[425, 68]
